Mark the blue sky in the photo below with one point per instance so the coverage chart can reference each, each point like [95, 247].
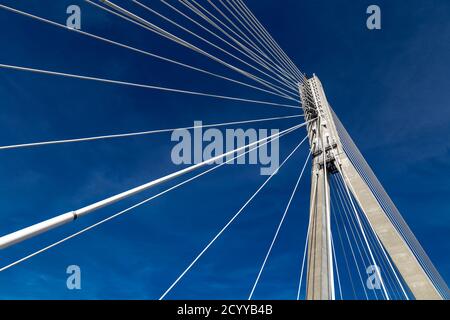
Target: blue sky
[389, 88]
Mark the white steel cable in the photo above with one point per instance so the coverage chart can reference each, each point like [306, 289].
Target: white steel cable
[140, 133]
[138, 85]
[294, 191]
[304, 252]
[228, 224]
[337, 268]
[313, 199]
[328, 220]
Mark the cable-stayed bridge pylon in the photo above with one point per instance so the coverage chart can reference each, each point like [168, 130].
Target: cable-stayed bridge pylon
[330, 157]
[354, 229]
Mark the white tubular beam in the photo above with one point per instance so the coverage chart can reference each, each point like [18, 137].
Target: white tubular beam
[36, 229]
[57, 221]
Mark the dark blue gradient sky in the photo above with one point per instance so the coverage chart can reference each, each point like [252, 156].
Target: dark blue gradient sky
[390, 88]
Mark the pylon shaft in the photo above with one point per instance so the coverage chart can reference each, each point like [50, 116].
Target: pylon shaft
[319, 276]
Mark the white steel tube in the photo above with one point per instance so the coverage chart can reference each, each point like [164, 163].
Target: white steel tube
[36, 229]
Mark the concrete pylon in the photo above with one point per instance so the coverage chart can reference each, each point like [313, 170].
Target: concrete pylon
[319, 280]
[330, 158]
[320, 274]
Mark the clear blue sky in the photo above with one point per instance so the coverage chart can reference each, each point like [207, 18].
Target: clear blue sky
[390, 88]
